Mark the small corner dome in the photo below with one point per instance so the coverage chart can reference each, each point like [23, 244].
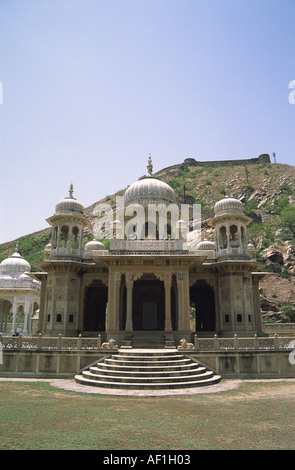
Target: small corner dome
[69, 204]
[47, 248]
[228, 205]
[25, 277]
[206, 245]
[94, 245]
[251, 247]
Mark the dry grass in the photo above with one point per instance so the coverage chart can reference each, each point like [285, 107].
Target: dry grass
[38, 416]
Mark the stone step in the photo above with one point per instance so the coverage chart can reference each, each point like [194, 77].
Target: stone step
[151, 379]
[147, 373]
[148, 352]
[123, 358]
[147, 369]
[139, 363]
[148, 386]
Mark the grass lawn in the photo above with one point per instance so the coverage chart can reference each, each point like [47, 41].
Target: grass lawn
[256, 415]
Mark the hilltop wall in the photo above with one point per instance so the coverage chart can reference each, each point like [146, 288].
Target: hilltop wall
[264, 158]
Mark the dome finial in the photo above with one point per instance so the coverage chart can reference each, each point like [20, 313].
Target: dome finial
[71, 190]
[150, 165]
[16, 248]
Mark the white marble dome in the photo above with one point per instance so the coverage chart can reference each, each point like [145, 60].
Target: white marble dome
[69, 204]
[228, 205]
[149, 190]
[94, 245]
[14, 266]
[206, 245]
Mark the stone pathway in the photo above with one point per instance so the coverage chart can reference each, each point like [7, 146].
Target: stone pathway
[72, 386]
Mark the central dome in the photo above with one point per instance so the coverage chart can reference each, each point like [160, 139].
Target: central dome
[149, 190]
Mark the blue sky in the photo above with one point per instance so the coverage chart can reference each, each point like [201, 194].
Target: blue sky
[91, 87]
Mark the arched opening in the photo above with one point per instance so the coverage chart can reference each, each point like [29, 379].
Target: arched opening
[75, 237]
[223, 238]
[5, 315]
[20, 317]
[234, 236]
[96, 299]
[64, 236]
[202, 299]
[148, 304]
[35, 308]
[54, 241]
[243, 238]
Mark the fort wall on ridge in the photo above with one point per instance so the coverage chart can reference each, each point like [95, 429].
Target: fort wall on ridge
[263, 158]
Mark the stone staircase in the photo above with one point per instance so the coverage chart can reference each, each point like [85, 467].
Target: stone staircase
[147, 369]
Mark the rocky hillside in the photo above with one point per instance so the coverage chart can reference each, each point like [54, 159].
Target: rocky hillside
[268, 193]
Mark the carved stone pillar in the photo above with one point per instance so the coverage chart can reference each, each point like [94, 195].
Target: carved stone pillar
[167, 284]
[66, 303]
[42, 306]
[256, 304]
[117, 301]
[53, 300]
[14, 313]
[26, 313]
[113, 301]
[129, 289]
[183, 301]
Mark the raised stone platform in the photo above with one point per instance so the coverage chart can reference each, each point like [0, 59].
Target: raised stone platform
[148, 369]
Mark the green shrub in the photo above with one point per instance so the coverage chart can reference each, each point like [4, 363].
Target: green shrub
[285, 187]
[286, 310]
[250, 206]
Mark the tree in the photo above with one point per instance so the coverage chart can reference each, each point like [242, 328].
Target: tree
[278, 205]
[287, 219]
[261, 235]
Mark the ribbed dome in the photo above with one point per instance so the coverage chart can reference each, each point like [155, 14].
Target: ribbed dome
[14, 265]
[228, 205]
[94, 245]
[69, 204]
[149, 190]
[206, 245]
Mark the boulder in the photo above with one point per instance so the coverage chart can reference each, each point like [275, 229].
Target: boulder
[274, 255]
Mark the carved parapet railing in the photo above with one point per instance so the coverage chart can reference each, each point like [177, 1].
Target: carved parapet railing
[236, 343]
[79, 343]
[48, 343]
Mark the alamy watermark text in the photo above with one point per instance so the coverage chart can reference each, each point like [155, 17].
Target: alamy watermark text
[292, 93]
[138, 222]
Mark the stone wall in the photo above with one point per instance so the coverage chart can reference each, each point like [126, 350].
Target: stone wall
[264, 158]
[229, 364]
[46, 363]
[251, 364]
